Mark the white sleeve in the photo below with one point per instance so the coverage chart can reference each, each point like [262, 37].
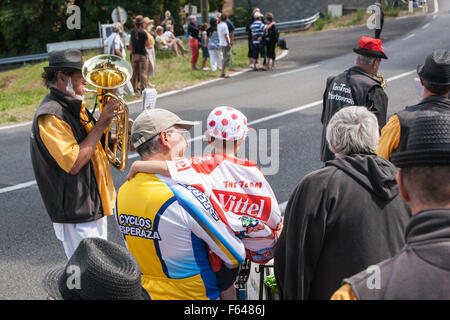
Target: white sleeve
[181, 171]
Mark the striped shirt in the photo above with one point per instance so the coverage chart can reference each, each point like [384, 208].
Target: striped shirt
[257, 29]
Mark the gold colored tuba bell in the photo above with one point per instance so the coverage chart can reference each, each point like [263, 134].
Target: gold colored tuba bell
[108, 72]
[383, 82]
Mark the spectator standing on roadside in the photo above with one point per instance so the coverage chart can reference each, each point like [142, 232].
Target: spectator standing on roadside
[168, 23]
[378, 30]
[224, 43]
[258, 29]
[435, 78]
[249, 33]
[139, 62]
[342, 218]
[194, 39]
[116, 47]
[271, 41]
[358, 86]
[148, 24]
[421, 270]
[215, 54]
[231, 29]
[204, 41]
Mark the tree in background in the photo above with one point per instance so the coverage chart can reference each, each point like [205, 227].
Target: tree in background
[26, 26]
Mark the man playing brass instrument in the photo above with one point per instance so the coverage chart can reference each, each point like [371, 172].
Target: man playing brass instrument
[358, 86]
[69, 162]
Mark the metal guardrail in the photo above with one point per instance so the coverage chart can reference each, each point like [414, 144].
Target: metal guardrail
[31, 57]
[84, 44]
[287, 24]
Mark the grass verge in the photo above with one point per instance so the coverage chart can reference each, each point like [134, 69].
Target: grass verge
[22, 89]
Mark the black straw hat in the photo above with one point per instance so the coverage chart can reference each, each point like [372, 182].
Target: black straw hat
[436, 69]
[98, 270]
[428, 142]
[66, 59]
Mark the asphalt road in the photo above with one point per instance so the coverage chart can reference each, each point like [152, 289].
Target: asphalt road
[283, 106]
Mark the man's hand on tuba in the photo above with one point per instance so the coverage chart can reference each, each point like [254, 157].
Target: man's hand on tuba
[109, 112]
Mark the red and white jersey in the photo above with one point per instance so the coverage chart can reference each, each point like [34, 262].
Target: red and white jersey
[239, 187]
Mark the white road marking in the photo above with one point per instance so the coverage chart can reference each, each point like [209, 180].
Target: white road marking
[426, 26]
[296, 70]
[12, 126]
[18, 186]
[409, 37]
[273, 116]
[401, 75]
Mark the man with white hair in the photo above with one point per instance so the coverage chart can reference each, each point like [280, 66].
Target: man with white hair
[357, 86]
[69, 160]
[114, 43]
[421, 270]
[342, 218]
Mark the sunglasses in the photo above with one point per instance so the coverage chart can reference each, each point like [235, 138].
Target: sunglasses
[183, 132]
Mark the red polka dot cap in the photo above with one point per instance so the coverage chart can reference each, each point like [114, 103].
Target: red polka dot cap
[227, 123]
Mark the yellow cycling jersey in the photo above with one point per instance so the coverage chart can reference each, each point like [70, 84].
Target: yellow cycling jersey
[169, 228]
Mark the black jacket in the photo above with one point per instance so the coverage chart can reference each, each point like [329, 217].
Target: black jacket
[353, 87]
[68, 198]
[421, 270]
[407, 116]
[338, 221]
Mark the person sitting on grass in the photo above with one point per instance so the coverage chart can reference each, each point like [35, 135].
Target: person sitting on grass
[170, 36]
[163, 45]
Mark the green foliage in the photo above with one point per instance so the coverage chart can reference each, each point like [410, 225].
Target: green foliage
[271, 283]
[390, 11]
[360, 15]
[319, 24]
[241, 16]
[27, 26]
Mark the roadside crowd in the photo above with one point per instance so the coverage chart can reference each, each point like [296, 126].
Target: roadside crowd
[214, 39]
[373, 223]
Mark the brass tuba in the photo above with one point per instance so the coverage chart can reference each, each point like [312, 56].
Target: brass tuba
[108, 72]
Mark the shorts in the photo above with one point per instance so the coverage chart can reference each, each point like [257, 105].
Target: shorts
[226, 277]
[258, 49]
[205, 52]
[226, 56]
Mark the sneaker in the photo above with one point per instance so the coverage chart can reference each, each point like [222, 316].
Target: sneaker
[206, 69]
[224, 76]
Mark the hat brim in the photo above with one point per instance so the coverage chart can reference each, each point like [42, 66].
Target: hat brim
[145, 295]
[370, 53]
[421, 157]
[53, 278]
[51, 282]
[186, 124]
[421, 73]
[53, 68]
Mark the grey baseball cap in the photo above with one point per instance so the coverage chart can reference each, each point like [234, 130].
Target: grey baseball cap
[151, 122]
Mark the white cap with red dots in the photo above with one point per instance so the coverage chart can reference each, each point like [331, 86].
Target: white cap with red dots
[227, 123]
